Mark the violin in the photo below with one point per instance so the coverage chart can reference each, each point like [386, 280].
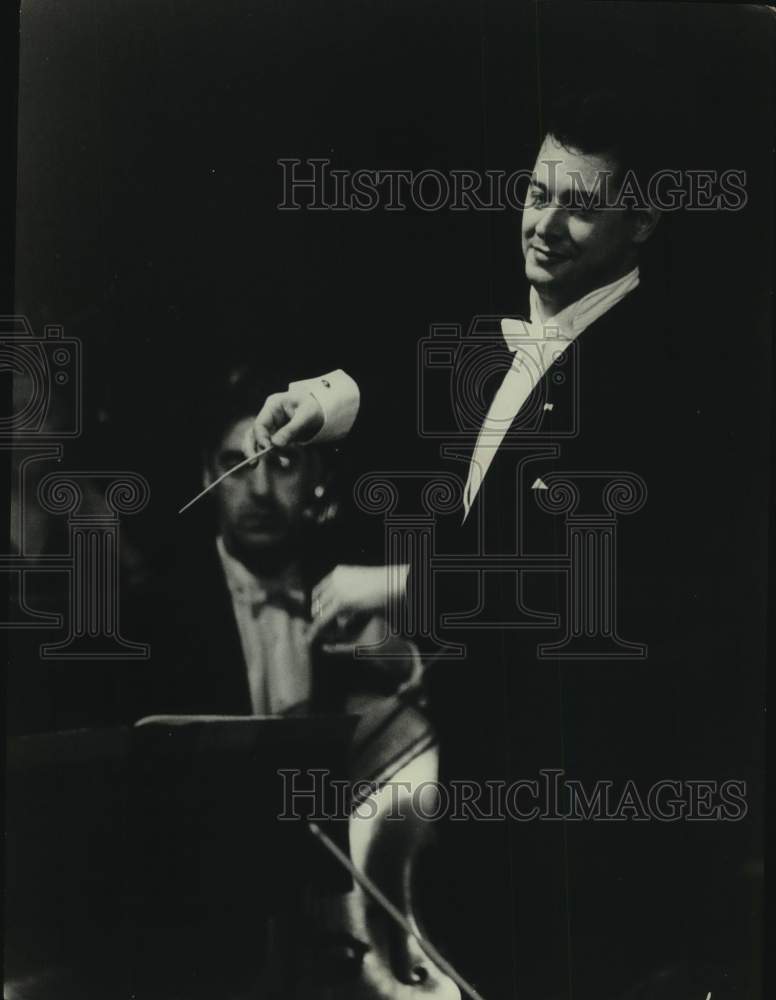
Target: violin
[367, 943]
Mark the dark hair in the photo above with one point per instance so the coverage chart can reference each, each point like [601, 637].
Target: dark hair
[619, 125]
[236, 395]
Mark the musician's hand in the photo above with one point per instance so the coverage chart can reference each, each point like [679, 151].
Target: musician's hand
[291, 417]
[350, 592]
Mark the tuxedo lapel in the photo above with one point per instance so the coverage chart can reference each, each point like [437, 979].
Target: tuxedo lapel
[584, 414]
[589, 391]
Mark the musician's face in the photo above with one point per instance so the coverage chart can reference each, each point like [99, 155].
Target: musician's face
[569, 249]
[263, 508]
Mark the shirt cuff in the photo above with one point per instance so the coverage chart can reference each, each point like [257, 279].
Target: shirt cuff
[339, 398]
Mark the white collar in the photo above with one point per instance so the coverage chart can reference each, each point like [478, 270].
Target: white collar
[572, 320]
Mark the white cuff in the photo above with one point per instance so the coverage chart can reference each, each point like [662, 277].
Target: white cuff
[339, 398]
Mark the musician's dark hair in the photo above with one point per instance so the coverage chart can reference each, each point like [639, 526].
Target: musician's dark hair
[237, 394]
[620, 125]
[240, 393]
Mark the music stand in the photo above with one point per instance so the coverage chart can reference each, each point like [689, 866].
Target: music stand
[148, 859]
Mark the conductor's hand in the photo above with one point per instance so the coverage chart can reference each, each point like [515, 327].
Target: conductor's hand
[286, 418]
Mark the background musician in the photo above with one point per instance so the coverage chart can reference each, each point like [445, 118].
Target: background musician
[230, 632]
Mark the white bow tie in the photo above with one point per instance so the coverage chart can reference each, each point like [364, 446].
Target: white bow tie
[534, 343]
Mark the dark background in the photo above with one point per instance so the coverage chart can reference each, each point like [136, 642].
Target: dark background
[149, 136]
[147, 224]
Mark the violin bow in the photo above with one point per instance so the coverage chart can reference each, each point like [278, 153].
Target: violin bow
[371, 889]
[222, 477]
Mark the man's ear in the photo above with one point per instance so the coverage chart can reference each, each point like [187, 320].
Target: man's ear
[645, 223]
[323, 506]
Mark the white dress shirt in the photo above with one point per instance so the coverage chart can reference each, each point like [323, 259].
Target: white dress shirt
[270, 616]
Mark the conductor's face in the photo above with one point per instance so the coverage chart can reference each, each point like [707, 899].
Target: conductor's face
[571, 249]
[262, 508]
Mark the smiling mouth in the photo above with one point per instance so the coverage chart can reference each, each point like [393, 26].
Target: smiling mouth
[546, 254]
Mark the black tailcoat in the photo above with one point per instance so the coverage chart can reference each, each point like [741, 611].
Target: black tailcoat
[602, 902]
